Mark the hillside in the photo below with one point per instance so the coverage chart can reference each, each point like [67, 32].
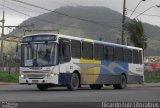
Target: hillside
[108, 29]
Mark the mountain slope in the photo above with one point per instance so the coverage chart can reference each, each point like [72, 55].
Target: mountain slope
[107, 26]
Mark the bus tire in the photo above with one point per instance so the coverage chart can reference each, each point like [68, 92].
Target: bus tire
[42, 87]
[96, 86]
[74, 83]
[123, 83]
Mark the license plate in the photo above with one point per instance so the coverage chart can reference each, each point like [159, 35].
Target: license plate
[34, 81]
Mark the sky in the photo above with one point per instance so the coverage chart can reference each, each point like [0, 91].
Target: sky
[22, 12]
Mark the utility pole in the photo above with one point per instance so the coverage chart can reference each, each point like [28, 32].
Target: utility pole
[2, 35]
[123, 22]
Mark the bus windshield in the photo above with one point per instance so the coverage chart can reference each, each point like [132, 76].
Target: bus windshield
[39, 54]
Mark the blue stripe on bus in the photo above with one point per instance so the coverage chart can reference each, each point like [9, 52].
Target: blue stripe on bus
[118, 69]
[103, 70]
[64, 78]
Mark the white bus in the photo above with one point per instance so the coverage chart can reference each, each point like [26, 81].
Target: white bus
[49, 60]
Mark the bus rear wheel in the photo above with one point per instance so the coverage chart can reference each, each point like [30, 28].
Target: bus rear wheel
[123, 83]
[96, 86]
[42, 87]
[74, 83]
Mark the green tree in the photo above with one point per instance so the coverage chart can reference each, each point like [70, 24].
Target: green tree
[137, 34]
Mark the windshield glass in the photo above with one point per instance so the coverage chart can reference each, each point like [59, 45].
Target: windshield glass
[39, 54]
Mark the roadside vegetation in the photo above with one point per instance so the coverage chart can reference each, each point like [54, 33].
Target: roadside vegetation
[152, 77]
[9, 77]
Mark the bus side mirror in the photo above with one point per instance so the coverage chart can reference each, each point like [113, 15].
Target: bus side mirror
[61, 59]
[17, 56]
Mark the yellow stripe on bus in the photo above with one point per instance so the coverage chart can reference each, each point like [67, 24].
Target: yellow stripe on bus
[88, 40]
[90, 70]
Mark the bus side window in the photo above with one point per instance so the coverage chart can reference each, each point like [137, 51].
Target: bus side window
[118, 55]
[76, 49]
[140, 57]
[98, 52]
[109, 53]
[128, 55]
[87, 50]
[135, 57]
[64, 50]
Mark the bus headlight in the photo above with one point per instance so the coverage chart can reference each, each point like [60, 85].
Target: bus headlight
[51, 75]
[22, 76]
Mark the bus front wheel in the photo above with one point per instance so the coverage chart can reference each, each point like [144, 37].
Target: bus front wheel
[74, 83]
[42, 87]
[123, 83]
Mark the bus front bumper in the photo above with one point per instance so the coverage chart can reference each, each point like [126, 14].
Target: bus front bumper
[38, 81]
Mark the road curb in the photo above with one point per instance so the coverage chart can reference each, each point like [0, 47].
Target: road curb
[151, 84]
[144, 85]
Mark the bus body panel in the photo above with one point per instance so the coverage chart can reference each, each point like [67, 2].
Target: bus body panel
[38, 75]
[136, 73]
[66, 71]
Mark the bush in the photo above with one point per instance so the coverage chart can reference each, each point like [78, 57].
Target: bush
[6, 77]
[158, 70]
[152, 77]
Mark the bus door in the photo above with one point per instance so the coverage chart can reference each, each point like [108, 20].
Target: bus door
[64, 55]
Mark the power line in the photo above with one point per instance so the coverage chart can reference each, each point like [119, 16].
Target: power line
[136, 8]
[97, 23]
[36, 18]
[40, 19]
[144, 13]
[74, 17]
[147, 10]
[24, 7]
[28, 9]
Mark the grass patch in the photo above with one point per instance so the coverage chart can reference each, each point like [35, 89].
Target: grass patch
[14, 77]
[10, 78]
[152, 77]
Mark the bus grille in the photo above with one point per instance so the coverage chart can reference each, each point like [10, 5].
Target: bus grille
[35, 75]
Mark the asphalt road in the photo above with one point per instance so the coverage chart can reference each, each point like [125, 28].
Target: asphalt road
[29, 93]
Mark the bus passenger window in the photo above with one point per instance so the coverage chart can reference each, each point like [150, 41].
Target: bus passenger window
[140, 57]
[118, 55]
[128, 55]
[98, 52]
[76, 49]
[109, 51]
[135, 57]
[87, 50]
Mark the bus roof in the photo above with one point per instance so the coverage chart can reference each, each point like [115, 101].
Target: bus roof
[86, 39]
[99, 42]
